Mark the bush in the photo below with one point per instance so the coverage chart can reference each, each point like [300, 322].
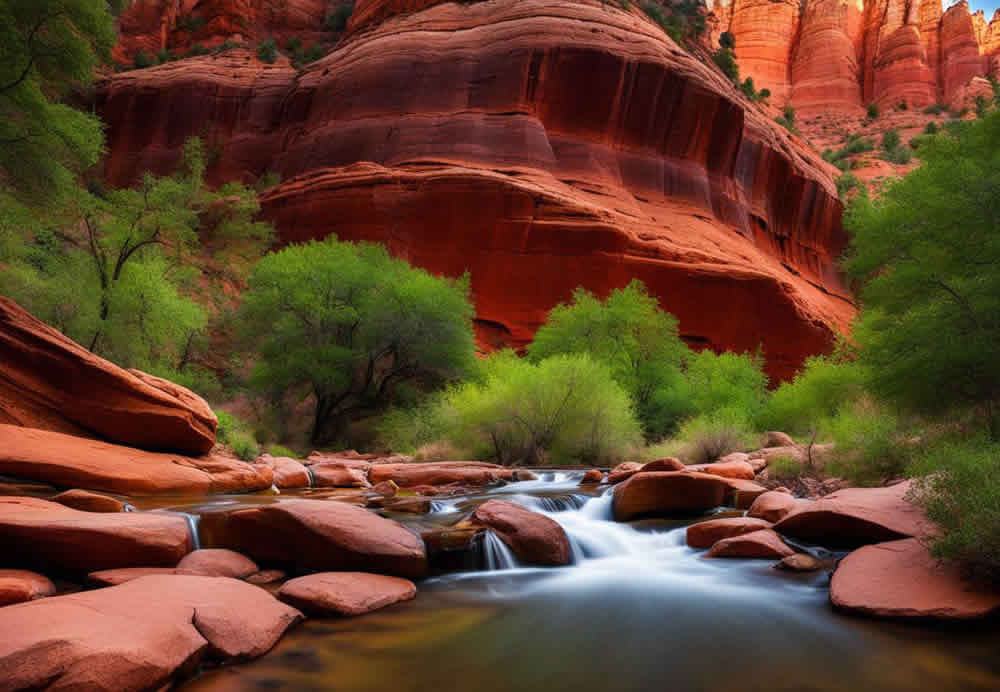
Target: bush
[931, 128]
[276, 450]
[710, 437]
[237, 435]
[787, 120]
[566, 408]
[982, 106]
[936, 109]
[784, 468]
[873, 111]
[892, 148]
[267, 51]
[845, 183]
[197, 49]
[406, 430]
[890, 139]
[726, 40]
[336, 21]
[726, 61]
[682, 20]
[870, 446]
[960, 490]
[730, 385]
[164, 56]
[268, 180]
[823, 387]
[142, 60]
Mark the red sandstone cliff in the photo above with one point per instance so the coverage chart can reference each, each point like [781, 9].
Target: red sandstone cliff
[539, 144]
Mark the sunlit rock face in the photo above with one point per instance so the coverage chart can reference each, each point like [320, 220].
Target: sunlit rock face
[824, 68]
[538, 145]
[960, 52]
[765, 32]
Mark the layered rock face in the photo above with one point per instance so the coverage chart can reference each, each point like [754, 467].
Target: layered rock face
[848, 53]
[539, 145]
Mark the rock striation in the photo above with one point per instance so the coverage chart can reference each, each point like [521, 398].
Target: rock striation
[458, 135]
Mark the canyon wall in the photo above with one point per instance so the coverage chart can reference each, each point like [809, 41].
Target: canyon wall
[843, 54]
[540, 145]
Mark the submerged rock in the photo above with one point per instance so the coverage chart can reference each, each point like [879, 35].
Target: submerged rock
[218, 562]
[345, 593]
[38, 533]
[764, 543]
[901, 579]
[137, 636]
[856, 516]
[19, 585]
[534, 538]
[48, 381]
[324, 535]
[89, 502]
[705, 534]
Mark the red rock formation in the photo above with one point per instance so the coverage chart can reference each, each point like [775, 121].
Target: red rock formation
[460, 136]
[929, 14]
[49, 381]
[990, 40]
[960, 58]
[765, 32]
[824, 66]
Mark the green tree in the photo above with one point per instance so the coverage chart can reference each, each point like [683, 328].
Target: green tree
[728, 384]
[928, 253]
[48, 47]
[634, 337]
[347, 324]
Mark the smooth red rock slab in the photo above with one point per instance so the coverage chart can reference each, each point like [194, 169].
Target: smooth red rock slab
[901, 579]
[665, 464]
[325, 535]
[764, 543]
[218, 562]
[288, 472]
[267, 576]
[772, 506]
[727, 469]
[332, 474]
[534, 537]
[857, 516]
[345, 593]
[19, 585]
[440, 473]
[139, 635]
[592, 476]
[803, 562]
[668, 492]
[114, 577]
[623, 472]
[705, 534]
[77, 462]
[36, 532]
[49, 381]
[349, 458]
[89, 502]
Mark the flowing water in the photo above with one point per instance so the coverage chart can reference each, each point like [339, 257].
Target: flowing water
[637, 611]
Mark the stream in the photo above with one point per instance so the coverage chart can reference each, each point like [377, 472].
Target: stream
[637, 611]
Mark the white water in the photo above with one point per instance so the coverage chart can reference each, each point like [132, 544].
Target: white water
[498, 555]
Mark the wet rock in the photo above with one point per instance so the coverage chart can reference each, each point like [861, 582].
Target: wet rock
[38, 533]
[89, 502]
[113, 577]
[77, 462]
[727, 469]
[408, 505]
[534, 538]
[901, 579]
[524, 475]
[218, 562]
[267, 576]
[623, 472]
[350, 459]
[50, 382]
[772, 506]
[18, 586]
[139, 635]
[857, 516]
[330, 474]
[386, 488]
[802, 562]
[592, 476]
[440, 473]
[743, 493]
[668, 492]
[764, 543]
[345, 593]
[288, 473]
[323, 535]
[705, 534]
[665, 464]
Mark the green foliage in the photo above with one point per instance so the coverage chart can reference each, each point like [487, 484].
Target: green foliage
[726, 40]
[854, 144]
[846, 183]
[347, 324]
[747, 87]
[928, 251]
[870, 444]
[407, 429]
[890, 139]
[958, 114]
[237, 435]
[683, 20]
[787, 120]
[730, 386]
[48, 47]
[893, 149]
[268, 180]
[282, 451]
[873, 111]
[197, 49]
[784, 468]
[995, 83]
[710, 437]
[267, 50]
[567, 408]
[164, 56]
[982, 106]
[336, 21]
[301, 55]
[960, 491]
[726, 61]
[142, 60]
[823, 387]
[637, 340]
[931, 128]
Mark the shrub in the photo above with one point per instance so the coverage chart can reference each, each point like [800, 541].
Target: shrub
[960, 490]
[336, 21]
[726, 40]
[712, 436]
[936, 109]
[164, 56]
[873, 111]
[846, 183]
[931, 128]
[823, 387]
[407, 430]
[892, 148]
[237, 435]
[276, 450]
[226, 46]
[726, 61]
[982, 106]
[566, 408]
[959, 113]
[787, 119]
[267, 50]
[730, 385]
[440, 450]
[869, 444]
[784, 468]
[890, 139]
[197, 49]
[268, 180]
[244, 446]
[682, 20]
[142, 60]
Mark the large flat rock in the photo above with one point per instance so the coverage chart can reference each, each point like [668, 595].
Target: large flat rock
[78, 462]
[49, 381]
[901, 579]
[345, 593]
[38, 533]
[138, 636]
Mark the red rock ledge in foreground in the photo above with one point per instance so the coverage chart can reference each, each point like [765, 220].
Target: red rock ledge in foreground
[48, 381]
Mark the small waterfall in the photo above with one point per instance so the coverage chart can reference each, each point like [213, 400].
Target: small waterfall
[192, 521]
[496, 554]
[555, 503]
